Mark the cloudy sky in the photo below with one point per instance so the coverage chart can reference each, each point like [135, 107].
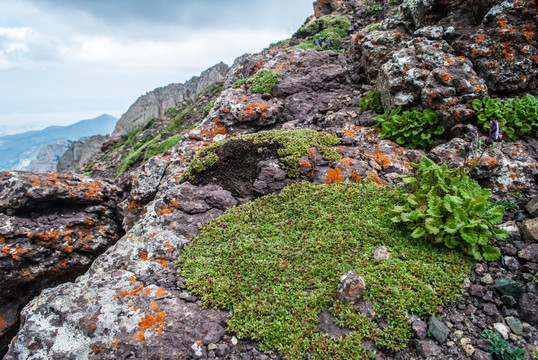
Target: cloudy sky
[66, 60]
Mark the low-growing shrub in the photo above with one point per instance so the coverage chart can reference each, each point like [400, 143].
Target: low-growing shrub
[262, 82]
[516, 117]
[500, 347]
[412, 129]
[445, 206]
[275, 263]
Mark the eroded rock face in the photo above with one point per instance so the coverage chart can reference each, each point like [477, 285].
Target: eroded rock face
[51, 229]
[80, 152]
[155, 103]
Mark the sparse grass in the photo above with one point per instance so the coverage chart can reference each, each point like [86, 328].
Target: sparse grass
[260, 83]
[295, 144]
[275, 262]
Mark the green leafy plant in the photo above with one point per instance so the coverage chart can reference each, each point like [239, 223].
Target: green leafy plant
[275, 263]
[262, 82]
[517, 117]
[500, 347]
[374, 26]
[447, 207]
[372, 101]
[412, 129]
[315, 34]
[372, 10]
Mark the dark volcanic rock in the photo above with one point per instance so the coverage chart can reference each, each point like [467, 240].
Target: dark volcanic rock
[51, 229]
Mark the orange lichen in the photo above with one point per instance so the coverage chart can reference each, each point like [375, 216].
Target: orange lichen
[446, 77]
[135, 205]
[334, 176]
[165, 211]
[154, 306]
[144, 256]
[116, 343]
[528, 32]
[96, 350]
[381, 159]
[163, 262]
[312, 151]
[161, 292]
[63, 262]
[132, 292]
[2, 322]
[132, 279]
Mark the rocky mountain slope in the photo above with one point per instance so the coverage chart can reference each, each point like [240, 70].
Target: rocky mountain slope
[300, 111]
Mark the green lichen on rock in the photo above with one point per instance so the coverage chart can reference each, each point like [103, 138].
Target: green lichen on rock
[275, 263]
[295, 144]
[260, 83]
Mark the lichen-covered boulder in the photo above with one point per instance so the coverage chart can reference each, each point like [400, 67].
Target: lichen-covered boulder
[51, 229]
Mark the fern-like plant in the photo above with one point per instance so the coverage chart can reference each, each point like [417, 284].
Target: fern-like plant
[447, 207]
[517, 117]
[412, 129]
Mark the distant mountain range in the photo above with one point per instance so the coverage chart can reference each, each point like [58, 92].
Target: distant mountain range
[17, 151]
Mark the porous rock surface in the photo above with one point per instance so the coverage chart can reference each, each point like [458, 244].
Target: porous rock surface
[51, 229]
[131, 304]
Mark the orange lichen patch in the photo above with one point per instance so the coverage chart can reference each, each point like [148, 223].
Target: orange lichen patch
[132, 279]
[148, 322]
[161, 292]
[154, 306]
[356, 177]
[381, 159]
[312, 151]
[528, 32]
[450, 61]
[68, 248]
[479, 39]
[132, 292]
[159, 320]
[256, 109]
[163, 262]
[96, 350]
[375, 178]
[165, 211]
[446, 77]
[2, 322]
[135, 204]
[63, 262]
[2, 240]
[144, 256]
[116, 343]
[334, 176]
[508, 52]
[513, 176]
[502, 23]
[175, 204]
[93, 326]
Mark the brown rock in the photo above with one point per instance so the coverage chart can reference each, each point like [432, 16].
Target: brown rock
[529, 230]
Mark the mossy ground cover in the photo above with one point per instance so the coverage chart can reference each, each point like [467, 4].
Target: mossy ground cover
[275, 263]
[295, 144]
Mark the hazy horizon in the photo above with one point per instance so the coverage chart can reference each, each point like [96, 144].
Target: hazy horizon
[66, 61]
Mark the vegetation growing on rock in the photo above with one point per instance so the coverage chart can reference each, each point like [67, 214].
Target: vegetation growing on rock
[295, 144]
[275, 263]
[317, 33]
[262, 82]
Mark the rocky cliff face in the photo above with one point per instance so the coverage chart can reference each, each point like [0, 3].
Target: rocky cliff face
[80, 152]
[48, 156]
[155, 103]
[131, 304]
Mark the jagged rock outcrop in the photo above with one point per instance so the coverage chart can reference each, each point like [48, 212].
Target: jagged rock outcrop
[47, 157]
[130, 303]
[80, 152]
[155, 103]
[51, 229]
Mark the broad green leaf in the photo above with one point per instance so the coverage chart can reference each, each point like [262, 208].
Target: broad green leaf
[500, 234]
[495, 214]
[469, 235]
[418, 233]
[491, 253]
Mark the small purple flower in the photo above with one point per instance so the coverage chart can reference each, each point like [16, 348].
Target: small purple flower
[488, 141]
[494, 127]
[318, 42]
[329, 41]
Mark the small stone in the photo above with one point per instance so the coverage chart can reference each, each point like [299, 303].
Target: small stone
[212, 347]
[420, 329]
[529, 230]
[351, 287]
[456, 318]
[381, 253]
[477, 290]
[502, 329]
[515, 325]
[509, 300]
[427, 348]
[438, 329]
[529, 308]
[511, 263]
[481, 355]
[184, 295]
[491, 309]
[479, 269]
[366, 308]
[529, 253]
[466, 283]
[458, 334]
[466, 346]
[223, 350]
[510, 287]
[234, 341]
[486, 279]
[532, 206]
